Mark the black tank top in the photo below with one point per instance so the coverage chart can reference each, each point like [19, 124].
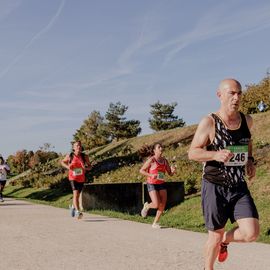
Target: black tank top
[231, 173]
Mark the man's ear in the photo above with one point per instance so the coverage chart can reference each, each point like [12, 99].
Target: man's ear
[218, 93]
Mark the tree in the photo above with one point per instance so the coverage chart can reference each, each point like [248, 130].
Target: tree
[20, 161]
[117, 125]
[24, 160]
[47, 147]
[92, 133]
[163, 118]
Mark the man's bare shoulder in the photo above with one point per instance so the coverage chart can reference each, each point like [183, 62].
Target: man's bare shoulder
[249, 120]
[207, 122]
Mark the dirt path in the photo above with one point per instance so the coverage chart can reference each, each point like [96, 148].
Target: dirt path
[35, 237]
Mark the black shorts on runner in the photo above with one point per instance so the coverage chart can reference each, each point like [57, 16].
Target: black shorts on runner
[76, 185]
[3, 182]
[151, 187]
[220, 203]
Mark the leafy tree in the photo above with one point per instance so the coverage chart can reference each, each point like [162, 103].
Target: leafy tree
[131, 128]
[24, 160]
[45, 153]
[47, 147]
[11, 162]
[92, 133]
[255, 93]
[117, 125]
[34, 161]
[20, 161]
[163, 118]
[43, 156]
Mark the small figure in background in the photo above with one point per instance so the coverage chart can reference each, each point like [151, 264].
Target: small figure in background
[4, 170]
[262, 106]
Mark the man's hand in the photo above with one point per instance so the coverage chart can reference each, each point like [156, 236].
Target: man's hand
[223, 155]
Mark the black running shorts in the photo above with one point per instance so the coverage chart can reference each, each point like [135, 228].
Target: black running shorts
[157, 187]
[76, 185]
[220, 203]
[3, 182]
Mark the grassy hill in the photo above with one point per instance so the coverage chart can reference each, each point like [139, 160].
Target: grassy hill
[120, 162]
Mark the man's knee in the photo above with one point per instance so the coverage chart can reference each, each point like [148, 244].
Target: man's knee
[250, 236]
[250, 231]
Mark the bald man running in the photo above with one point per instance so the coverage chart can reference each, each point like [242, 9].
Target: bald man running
[223, 143]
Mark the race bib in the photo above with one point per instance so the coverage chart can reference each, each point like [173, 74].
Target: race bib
[240, 155]
[160, 175]
[77, 171]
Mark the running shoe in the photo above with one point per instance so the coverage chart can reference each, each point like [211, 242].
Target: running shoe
[72, 210]
[79, 215]
[223, 252]
[156, 226]
[1, 199]
[145, 210]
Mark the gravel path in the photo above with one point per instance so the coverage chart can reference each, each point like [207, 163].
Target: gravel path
[35, 237]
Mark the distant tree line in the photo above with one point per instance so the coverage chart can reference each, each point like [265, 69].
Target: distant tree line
[24, 160]
[97, 130]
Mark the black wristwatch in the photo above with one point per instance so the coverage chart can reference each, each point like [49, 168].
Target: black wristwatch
[251, 158]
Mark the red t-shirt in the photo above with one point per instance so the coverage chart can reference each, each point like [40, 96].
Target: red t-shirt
[77, 173]
[159, 169]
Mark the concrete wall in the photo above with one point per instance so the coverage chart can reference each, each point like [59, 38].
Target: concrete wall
[126, 197]
[175, 193]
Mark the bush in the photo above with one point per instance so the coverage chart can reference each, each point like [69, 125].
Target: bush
[254, 94]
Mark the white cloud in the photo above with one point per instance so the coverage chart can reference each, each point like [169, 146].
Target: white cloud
[222, 20]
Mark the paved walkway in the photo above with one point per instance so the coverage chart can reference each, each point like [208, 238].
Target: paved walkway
[35, 237]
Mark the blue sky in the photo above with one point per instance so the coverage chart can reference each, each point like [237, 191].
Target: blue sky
[62, 59]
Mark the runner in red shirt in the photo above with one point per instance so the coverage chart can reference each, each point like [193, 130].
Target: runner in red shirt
[76, 163]
[155, 168]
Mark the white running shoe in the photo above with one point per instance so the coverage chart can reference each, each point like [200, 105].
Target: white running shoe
[156, 226]
[78, 215]
[145, 210]
[72, 210]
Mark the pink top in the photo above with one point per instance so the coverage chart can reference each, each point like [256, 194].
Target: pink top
[159, 169]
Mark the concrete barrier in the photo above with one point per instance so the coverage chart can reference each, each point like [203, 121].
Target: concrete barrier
[126, 197]
[175, 193]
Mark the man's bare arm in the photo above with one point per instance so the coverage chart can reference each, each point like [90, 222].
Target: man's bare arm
[203, 136]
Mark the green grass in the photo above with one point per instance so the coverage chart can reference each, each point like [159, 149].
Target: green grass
[261, 192]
